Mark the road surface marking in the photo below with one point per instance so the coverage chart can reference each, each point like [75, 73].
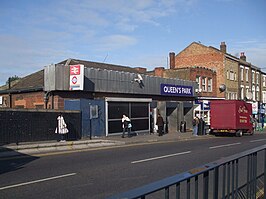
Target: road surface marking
[257, 140]
[160, 157]
[37, 181]
[225, 145]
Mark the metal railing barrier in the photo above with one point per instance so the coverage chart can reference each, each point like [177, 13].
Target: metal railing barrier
[237, 176]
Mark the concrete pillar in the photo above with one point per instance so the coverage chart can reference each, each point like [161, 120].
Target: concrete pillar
[161, 108]
[172, 120]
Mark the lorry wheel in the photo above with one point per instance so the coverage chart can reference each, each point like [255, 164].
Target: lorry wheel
[239, 133]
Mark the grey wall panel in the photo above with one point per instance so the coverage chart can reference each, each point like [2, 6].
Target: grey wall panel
[49, 77]
[121, 82]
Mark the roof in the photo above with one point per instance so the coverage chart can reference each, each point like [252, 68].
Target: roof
[32, 82]
[35, 81]
[99, 65]
[227, 55]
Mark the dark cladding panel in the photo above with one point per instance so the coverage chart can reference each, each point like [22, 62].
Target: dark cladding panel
[123, 82]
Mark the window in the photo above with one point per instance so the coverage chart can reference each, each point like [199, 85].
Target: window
[209, 84]
[257, 78]
[247, 93]
[264, 96]
[253, 93]
[242, 92]
[242, 74]
[198, 80]
[253, 76]
[39, 106]
[232, 75]
[264, 80]
[247, 74]
[204, 84]
[138, 112]
[257, 93]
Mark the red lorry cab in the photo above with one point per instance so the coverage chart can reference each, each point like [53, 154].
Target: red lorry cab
[231, 116]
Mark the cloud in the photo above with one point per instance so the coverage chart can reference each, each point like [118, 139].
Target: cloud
[254, 49]
[114, 42]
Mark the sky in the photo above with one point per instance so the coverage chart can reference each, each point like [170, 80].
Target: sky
[135, 33]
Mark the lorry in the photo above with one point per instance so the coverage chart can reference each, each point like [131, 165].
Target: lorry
[231, 116]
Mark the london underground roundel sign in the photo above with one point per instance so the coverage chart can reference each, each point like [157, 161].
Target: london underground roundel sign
[74, 80]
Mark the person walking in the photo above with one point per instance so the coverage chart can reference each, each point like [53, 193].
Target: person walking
[126, 125]
[160, 124]
[61, 128]
[195, 124]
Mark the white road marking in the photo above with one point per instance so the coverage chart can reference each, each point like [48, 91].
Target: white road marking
[257, 140]
[37, 181]
[225, 145]
[160, 157]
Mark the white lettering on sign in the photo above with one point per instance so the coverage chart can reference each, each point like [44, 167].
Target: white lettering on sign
[177, 90]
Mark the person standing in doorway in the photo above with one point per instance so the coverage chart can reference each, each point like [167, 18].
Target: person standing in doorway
[160, 124]
[126, 125]
[61, 128]
[195, 124]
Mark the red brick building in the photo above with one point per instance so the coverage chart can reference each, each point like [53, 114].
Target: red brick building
[225, 65]
[205, 78]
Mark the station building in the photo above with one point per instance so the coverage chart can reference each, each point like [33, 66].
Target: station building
[103, 93]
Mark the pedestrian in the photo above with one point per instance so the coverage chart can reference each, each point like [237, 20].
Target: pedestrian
[126, 125]
[262, 122]
[61, 128]
[160, 124]
[195, 123]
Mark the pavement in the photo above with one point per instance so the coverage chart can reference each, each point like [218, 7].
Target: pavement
[34, 148]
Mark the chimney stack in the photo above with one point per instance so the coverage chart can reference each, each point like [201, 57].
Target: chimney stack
[158, 71]
[172, 60]
[223, 47]
[243, 56]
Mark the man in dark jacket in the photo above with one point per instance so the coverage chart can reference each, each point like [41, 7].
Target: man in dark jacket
[160, 124]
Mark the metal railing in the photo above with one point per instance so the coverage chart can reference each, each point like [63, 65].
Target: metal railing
[237, 176]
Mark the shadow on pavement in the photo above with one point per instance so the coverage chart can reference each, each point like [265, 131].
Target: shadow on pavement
[17, 161]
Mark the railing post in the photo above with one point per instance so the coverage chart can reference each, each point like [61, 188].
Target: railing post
[248, 175]
[264, 173]
[196, 187]
[255, 174]
[236, 179]
[228, 179]
[166, 195]
[215, 182]
[205, 184]
[233, 179]
[224, 180]
[188, 188]
[178, 190]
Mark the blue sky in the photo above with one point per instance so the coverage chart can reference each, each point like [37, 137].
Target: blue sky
[36, 33]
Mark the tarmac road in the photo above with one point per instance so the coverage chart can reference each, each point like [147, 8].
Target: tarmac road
[105, 171]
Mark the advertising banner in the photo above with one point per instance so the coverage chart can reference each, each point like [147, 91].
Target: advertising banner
[76, 77]
[176, 90]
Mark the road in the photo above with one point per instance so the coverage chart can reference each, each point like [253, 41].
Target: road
[100, 173]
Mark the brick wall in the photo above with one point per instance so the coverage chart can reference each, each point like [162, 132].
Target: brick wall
[202, 56]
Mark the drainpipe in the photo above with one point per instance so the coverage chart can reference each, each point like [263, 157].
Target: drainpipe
[10, 96]
[46, 98]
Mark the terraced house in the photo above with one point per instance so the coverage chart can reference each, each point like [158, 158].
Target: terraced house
[236, 77]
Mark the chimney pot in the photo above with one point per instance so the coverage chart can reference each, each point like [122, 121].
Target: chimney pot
[243, 56]
[223, 47]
